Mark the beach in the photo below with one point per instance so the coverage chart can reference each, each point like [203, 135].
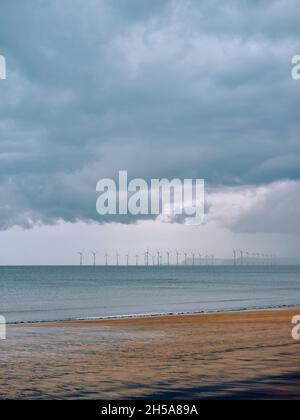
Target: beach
[231, 355]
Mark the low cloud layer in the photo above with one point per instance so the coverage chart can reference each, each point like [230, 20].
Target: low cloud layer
[162, 89]
[271, 208]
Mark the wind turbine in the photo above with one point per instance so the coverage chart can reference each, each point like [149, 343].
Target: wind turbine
[234, 256]
[117, 257]
[81, 257]
[147, 257]
[177, 257]
[193, 258]
[185, 258]
[94, 253]
[127, 257]
[206, 258]
[153, 259]
[106, 258]
[168, 257]
[200, 258]
[242, 257]
[158, 258]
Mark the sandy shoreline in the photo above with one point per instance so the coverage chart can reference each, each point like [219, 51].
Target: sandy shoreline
[247, 354]
[190, 318]
[146, 317]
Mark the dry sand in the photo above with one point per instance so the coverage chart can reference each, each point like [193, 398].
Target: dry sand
[219, 356]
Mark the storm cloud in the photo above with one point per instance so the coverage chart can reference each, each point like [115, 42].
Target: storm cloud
[162, 89]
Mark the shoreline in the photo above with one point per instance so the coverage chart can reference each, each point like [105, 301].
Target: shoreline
[156, 316]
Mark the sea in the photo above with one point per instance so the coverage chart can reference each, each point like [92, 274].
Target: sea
[40, 294]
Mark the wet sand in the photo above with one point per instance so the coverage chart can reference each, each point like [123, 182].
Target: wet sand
[217, 356]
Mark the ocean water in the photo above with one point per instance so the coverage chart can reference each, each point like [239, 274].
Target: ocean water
[30, 294]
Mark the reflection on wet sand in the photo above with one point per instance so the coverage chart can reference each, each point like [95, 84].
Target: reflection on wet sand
[232, 355]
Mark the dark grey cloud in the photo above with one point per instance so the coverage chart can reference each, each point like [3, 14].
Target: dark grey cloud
[162, 88]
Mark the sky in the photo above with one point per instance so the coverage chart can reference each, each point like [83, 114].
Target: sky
[162, 89]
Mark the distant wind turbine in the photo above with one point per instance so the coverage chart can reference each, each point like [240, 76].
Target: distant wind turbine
[158, 258]
[177, 257]
[147, 257]
[81, 257]
[153, 259]
[168, 257]
[94, 253]
[185, 258]
[242, 257]
[200, 258]
[193, 258]
[234, 256]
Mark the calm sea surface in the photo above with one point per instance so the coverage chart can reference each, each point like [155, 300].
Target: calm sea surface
[60, 293]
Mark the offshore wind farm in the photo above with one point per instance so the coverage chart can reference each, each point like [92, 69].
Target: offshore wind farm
[177, 258]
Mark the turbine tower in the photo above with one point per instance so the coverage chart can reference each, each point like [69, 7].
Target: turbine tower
[235, 257]
[147, 254]
[200, 258]
[185, 258]
[106, 258]
[94, 253]
[193, 258]
[153, 259]
[127, 258]
[168, 257]
[81, 257]
[177, 257]
[117, 257]
[158, 258]
[242, 257]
